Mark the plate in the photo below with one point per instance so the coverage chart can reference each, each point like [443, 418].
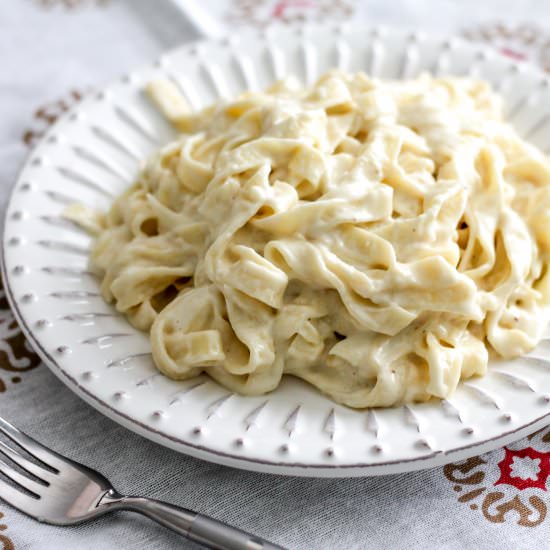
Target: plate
[94, 152]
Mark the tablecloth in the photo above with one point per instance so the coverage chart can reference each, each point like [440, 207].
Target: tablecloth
[52, 52]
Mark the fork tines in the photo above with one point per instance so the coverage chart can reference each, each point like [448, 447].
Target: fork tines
[42, 474]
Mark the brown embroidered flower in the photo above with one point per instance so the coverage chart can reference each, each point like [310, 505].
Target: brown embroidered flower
[16, 355]
[6, 542]
[519, 42]
[264, 12]
[47, 115]
[71, 4]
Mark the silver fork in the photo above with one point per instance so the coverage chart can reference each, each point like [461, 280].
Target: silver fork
[63, 492]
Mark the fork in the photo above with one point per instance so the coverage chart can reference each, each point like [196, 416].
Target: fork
[59, 491]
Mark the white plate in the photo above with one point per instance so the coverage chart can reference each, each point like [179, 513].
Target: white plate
[91, 154]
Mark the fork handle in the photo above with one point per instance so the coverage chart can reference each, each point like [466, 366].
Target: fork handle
[196, 527]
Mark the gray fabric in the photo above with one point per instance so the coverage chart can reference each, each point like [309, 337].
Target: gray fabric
[45, 52]
[415, 510]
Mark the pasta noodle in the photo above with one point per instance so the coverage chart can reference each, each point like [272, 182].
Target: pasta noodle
[378, 239]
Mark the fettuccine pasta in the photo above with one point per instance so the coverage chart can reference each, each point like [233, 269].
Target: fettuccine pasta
[378, 239]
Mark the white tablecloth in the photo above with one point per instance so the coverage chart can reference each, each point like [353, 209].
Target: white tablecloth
[51, 51]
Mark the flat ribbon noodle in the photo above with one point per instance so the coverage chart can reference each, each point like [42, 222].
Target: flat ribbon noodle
[378, 239]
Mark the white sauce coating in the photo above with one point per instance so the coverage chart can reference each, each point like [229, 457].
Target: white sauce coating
[378, 239]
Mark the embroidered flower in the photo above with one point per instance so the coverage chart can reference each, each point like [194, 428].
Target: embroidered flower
[523, 469]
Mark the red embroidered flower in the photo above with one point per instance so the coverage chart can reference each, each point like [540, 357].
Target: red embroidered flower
[523, 469]
[281, 6]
